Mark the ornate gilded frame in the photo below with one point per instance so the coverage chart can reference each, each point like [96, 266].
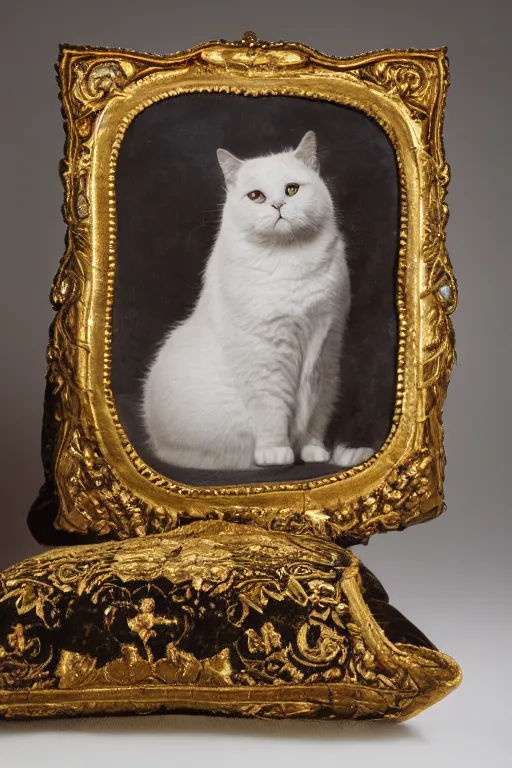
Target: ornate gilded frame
[103, 488]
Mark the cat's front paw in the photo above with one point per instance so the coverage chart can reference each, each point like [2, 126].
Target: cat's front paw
[314, 453]
[274, 456]
[344, 456]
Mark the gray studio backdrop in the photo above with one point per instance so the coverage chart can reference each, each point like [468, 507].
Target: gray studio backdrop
[448, 575]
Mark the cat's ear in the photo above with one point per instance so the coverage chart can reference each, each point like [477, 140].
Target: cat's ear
[306, 151]
[229, 163]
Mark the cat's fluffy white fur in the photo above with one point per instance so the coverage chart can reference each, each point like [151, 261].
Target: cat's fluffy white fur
[251, 377]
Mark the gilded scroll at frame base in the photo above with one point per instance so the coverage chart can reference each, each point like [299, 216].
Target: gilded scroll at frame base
[214, 618]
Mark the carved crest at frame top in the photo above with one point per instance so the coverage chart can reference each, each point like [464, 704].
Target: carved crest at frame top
[92, 498]
[405, 75]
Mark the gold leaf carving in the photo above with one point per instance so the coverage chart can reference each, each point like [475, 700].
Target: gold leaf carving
[410, 82]
[92, 494]
[94, 83]
[253, 61]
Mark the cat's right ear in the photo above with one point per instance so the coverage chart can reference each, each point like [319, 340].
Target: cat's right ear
[230, 165]
[306, 151]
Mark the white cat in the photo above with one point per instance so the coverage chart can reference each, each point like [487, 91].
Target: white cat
[252, 376]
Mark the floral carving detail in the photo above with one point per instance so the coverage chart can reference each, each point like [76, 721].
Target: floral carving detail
[434, 252]
[253, 56]
[407, 81]
[398, 501]
[94, 83]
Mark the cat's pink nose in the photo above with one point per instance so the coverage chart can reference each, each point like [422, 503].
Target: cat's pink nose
[278, 206]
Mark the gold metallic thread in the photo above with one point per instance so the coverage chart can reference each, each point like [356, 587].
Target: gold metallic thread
[215, 617]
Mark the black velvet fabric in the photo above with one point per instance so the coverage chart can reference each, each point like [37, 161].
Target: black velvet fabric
[100, 615]
[169, 192]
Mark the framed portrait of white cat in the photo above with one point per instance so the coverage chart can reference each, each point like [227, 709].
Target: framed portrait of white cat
[253, 309]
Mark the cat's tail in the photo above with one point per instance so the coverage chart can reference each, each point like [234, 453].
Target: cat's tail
[345, 456]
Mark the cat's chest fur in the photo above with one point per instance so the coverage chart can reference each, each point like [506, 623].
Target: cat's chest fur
[280, 315]
[293, 291]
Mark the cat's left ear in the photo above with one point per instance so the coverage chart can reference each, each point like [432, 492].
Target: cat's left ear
[306, 151]
[229, 163]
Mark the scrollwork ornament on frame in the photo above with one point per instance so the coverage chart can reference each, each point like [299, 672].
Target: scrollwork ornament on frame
[96, 483]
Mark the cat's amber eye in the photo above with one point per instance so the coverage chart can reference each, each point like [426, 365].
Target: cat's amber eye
[291, 189]
[256, 196]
